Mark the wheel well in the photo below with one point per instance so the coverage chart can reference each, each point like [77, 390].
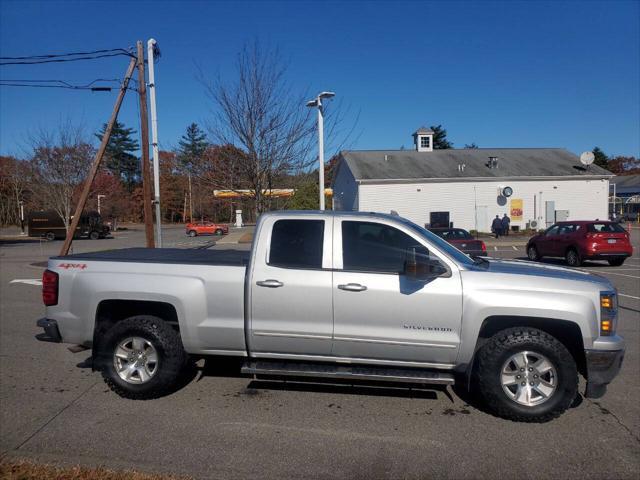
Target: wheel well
[568, 333]
[110, 312]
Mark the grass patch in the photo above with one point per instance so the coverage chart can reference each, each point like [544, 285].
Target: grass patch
[16, 469]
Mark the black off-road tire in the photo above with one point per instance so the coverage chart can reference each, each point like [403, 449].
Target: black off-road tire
[94, 235]
[499, 348]
[171, 357]
[572, 257]
[616, 262]
[533, 254]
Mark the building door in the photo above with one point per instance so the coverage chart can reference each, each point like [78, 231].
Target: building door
[439, 219]
[549, 213]
[482, 218]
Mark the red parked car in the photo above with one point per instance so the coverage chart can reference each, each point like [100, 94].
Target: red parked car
[582, 240]
[462, 240]
[206, 228]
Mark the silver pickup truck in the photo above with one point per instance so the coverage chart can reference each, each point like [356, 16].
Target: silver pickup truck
[330, 295]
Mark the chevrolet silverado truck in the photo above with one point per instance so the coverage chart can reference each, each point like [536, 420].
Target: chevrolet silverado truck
[347, 295]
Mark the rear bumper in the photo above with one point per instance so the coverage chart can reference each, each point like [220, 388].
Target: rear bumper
[51, 332]
[602, 367]
[605, 255]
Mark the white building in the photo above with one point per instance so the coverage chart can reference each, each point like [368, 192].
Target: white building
[468, 187]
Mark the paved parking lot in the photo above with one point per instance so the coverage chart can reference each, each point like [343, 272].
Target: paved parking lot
[221, 425]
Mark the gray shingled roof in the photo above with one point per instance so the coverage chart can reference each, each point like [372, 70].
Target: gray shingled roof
[423, 130]
[512, 162]
[626, 184]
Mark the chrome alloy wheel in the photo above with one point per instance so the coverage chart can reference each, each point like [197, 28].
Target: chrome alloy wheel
[136, 360]
[528, 378]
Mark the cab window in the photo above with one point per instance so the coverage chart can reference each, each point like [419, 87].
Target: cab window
[375, 247]
[297, 244]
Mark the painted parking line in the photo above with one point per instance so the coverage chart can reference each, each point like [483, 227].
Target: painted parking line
[628, 296]
[515, 248]
[495, 248]
[618, 274]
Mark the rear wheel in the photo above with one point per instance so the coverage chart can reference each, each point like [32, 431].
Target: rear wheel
[94, 235]
[532, 253]
[219, 231]
[192, 233]
[573, 258]
[50, 236]
[616, 262]
[142, 357]
[526, 375]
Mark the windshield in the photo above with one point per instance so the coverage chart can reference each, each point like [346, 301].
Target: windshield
[443, 245]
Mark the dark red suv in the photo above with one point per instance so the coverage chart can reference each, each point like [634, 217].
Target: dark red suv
[582, 240]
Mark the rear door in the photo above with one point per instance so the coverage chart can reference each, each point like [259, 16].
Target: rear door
[382, 316]
[290, 288]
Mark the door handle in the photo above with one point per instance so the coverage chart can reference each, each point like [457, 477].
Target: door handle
[352, 287]
[270, 283]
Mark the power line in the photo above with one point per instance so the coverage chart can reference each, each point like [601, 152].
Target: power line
[61, 60]
[53, 55]
[60, 84]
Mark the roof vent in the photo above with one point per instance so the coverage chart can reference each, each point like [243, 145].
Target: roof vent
[493, 162]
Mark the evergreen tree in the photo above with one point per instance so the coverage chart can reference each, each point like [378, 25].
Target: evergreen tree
[192, 146]
[440, 141]
[120, 159]
[470, 145]
[601, 158]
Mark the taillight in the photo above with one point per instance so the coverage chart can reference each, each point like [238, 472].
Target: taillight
[483, 246]
[50, 288]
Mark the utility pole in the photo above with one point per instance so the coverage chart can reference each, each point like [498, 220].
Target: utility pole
[144, 144]
[154, 138]
[190, 200]
[96, 161]
[99, 198]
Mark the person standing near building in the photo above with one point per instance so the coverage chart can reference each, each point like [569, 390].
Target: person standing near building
[496, 226]
[506, 221]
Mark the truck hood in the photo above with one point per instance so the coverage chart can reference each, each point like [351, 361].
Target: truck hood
[524, 267]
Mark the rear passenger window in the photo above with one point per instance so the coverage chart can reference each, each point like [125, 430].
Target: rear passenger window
[297, 244]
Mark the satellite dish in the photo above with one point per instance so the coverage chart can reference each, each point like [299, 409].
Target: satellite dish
[587, 158]
[507, 192]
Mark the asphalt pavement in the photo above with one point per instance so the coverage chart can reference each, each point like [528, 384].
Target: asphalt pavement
[221, 425]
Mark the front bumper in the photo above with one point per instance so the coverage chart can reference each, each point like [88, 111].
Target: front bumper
[51, 332]
[602, 367]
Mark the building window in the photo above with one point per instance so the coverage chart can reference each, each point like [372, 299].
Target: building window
[424, 142]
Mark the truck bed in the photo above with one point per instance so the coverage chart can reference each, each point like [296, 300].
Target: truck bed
[165, 255]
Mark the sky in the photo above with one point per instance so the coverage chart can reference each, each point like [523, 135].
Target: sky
[498, 74]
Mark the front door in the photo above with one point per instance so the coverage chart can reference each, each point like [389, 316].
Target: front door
[290, 304]
[381, 315]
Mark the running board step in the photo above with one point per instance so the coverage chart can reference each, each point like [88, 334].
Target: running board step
[353, 372]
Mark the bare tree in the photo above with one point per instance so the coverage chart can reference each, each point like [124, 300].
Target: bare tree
[60, 163]
[14, 188]
[260, 113]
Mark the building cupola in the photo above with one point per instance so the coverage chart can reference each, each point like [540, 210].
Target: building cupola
[423, 139]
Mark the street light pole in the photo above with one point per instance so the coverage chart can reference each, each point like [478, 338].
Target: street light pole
[317, 102]
[151, 44]
[21, 203]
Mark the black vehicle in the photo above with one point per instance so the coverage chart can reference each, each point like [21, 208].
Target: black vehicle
[48, 224]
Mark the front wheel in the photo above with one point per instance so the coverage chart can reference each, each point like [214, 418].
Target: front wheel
[526, 375]
[50, 236]
[192, 233]
[219, 232]
[94, 235]
[142, 357]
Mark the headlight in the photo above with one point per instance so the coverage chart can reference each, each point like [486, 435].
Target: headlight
[608, 313]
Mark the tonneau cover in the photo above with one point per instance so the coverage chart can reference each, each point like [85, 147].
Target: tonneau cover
[166, 255]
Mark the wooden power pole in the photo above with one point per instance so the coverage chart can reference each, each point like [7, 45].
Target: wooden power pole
[96, 161]
[144, 145]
